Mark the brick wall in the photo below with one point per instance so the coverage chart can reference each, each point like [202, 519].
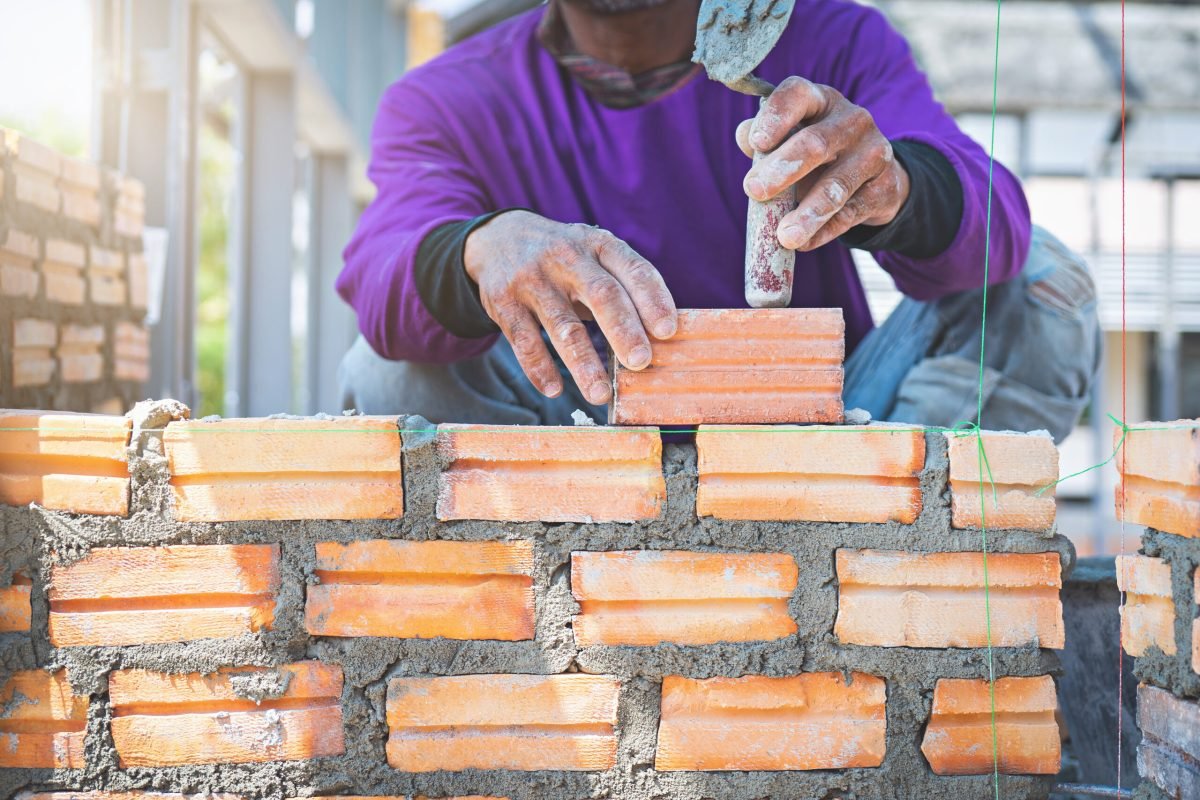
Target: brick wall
[73, 282]
[373, 606]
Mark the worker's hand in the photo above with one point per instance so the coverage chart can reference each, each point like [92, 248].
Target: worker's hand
[535, 273]
[832, 152]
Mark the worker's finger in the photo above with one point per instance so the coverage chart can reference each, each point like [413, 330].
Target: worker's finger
[524, 334]
[644, 285]
[614, 312]
[829, 193]
[822, 142]
[569, 337]
[857, 211]
[742, 135]
[794, 102]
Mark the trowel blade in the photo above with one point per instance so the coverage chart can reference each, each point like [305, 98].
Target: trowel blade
[734, 36]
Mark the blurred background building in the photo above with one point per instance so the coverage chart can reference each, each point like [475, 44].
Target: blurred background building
[249, 123]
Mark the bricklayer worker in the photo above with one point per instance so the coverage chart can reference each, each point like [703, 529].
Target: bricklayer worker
[570, 177]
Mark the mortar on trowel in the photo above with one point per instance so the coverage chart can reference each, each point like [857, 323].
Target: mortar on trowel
[732, 39]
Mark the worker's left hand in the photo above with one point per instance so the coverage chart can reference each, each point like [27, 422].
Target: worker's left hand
[831, 151]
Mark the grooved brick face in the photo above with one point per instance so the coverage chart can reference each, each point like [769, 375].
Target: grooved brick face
[1160, 469]
[959, 740]
[15, 611]
[1169, 754]
[63, 269]
[79, 357]
[68, 462]
[844, 474]
[32, 354]
[553, 474]
[239, 715]
[131, 352]
[1018, 466]
[459, 590]
[42, 721]
[278, 469]
[106, 276]
[1148, 615]
[517, 722]
[901, 599]
[142, 595]
[816, 720]
[648, 597]
[738, 366]
[18, 252]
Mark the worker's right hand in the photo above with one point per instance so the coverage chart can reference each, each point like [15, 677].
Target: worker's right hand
[536, 273]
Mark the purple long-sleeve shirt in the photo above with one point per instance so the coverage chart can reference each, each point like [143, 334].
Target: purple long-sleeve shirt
[496, 123]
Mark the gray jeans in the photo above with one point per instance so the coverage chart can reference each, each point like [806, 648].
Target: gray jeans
[920, 366]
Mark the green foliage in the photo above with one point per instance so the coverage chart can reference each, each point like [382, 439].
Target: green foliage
[216, 158]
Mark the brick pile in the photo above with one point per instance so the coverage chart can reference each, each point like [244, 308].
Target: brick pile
[374, 606]
[1160, 489]
[73, 282]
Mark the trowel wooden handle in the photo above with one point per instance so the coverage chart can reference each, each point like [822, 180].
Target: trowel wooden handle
[769, 265]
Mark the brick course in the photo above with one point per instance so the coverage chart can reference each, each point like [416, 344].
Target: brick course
[1148, 614]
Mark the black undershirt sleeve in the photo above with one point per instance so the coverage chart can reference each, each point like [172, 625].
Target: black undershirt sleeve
[929, 220]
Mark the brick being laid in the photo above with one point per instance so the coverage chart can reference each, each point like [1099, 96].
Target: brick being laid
[1017, 480]
[279, 469]
[33, 362]
[15, 611]
[1148, 614]
[648, 597]
[131, 352]
[1160, 476]
[18, 254]
[106, 277]
[553, 474]
[905, 599]
[63, 268]
[1169, 753]
[42, 721]
[741, 366]
[143, 595]
[68, 462]
[163, 720]
[853, 473]
[513, 722]
[959, 737]
[819, 720]
[457, 590]
[80, 359]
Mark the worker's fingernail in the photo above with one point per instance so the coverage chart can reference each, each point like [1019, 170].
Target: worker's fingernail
[639, 358]
[598, 393]
[755, 188]
[664, 329]
[759, 140]
[792, 236]
[553, 389]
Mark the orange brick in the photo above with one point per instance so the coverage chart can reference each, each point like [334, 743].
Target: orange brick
[63, 268]
[32, 357]
[245, 469]
[18, 252]
[32, 154]
[1148, 614]
[901, 599]
[459, 590]
[79, 356]
[1161, 477]
[788, 472]
[959, 739]
[131, 352]
[817, 720]
[517, 722]
[519, 473]
[106, 276]
[37, 188]
[139, 281]
[1018, 466]
[81, 206]
[648, 597]
[162, 720]
[42, 721]
[15, 612]
[142, 595]
[70, 462]
[1169, 753]
[739, 366]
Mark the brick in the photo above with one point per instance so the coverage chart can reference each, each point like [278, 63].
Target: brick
[139, 282]
[106, 277]
[901, 599]
[81, 206]
[959, 738]
[1148, 614]
[163, 720]
[80, 174]
[131, 352]
[37, 189]
[42, 721]
[143, 595]
[15, 611]
[842, 474]
[1018, 466]
[32, 154]
[516, 722]
[32, 357]
[649, 597]
[1160, 485]
[520, 473]
[1169, 753]
[250, 469]
[458, 590]
[79, 356]
[818, 720]
[18, 252]
[738, 366]
[69, 462]
[63, 269]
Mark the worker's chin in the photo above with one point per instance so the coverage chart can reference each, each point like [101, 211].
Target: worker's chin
[615, 6]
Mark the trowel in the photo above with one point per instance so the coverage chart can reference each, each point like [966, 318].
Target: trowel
[732, 39]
